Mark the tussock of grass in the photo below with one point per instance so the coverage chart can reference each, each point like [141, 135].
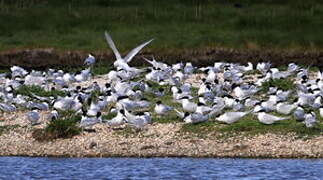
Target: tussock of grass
[99, 68]
[39, 91]
[65, 127]
[7, 128]
[127, 132]
[170, 118]
[200, 128]
[284, 84]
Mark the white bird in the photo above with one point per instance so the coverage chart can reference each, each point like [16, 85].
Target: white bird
[204, 88]
[249, 102]
[195, 118]
[53, 115]
[231, 117]
[299, 113]
[283, 95]
[31, 79]
[263, 67]
[285, 108]
[161, 109]
[156, 64]
[269, 105]
[276, 74]
[310, 120]
[268, 118]
[123, 62]
[93, 109]
[90, 60]
[192, 118]
[203, 109]
[321, 111]
[247, 68]
[87, 121]
[64, 104]
[33, 116]
[188, 69]
[84, 75]
[244, 93]
[139, 120]
[118, 120]
[178, 66]
[7, 107]
[187, 105]
[17, 71]
[292, 67]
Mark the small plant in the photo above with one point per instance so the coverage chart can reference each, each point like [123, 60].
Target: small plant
[284, 84]
[39, 91]
[7, 128]
[64, 127]
[170, 118]
[101, 68]
[109, 116]
[205, 127]
[127, 132]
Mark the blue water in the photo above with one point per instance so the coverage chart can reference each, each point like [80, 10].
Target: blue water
[159, 168]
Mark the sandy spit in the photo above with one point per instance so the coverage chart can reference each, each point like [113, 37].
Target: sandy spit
[156, 140]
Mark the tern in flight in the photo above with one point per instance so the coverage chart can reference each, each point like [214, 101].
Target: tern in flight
[123, 62]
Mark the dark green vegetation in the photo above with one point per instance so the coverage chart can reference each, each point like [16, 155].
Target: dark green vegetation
[249, 125]
[39, 91]
[284, 84]
[64, 127]
[99, 68]
[79, 24]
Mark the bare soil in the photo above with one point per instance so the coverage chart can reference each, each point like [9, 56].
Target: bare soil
[44, 58]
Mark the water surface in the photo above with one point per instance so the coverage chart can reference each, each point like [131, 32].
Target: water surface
[159, 168]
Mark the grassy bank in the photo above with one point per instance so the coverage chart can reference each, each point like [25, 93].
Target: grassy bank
[176, 24]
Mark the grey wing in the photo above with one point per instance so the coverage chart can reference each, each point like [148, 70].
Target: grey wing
[112, 45]
[133, 52]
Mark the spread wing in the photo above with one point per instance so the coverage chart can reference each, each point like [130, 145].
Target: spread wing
[112, 45]
[133, 52]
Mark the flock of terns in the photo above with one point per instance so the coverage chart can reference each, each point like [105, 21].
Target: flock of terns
[223, 94]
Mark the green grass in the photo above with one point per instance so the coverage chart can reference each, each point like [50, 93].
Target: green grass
[64, 127]
[4, 71]
[176, 24]
[249, 125]
[109, 116]
[99, 68]
[284, 84]
[39, 91]
[169, 118]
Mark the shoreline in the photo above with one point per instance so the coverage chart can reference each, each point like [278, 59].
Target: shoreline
[160, 140]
